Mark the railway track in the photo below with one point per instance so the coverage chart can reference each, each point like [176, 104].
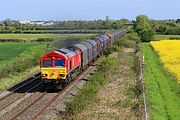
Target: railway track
[5, 105]
[16, 93]
[42, 101]
[20, 86]
[62, 93]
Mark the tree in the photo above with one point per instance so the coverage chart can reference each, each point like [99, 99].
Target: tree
[162, 29]
[178, 20]
[8, 22]
[143, 27]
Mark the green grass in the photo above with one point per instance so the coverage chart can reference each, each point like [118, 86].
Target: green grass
[129, 41]
[16, 58]
[166, 37]
[88, 94]
[162, 89]
[40, 36]
[11, 51]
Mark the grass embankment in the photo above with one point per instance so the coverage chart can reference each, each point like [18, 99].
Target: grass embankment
[90, 90]
[110, 93]
[16, 59]
[162, 89]
[39, 37]
[166, 37]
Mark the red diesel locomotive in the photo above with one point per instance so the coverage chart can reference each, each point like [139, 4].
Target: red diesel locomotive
[63, 65]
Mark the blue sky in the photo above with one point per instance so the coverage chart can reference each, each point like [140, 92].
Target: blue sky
[88, 9]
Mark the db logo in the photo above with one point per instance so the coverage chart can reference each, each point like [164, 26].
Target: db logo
[53, 71]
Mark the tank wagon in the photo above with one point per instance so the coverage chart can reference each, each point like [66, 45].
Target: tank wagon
[63, 65]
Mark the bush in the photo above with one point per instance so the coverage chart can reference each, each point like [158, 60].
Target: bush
[112, 48]
[129, 41]
[132, 36]
[146, 35]
[88, 93]
[174, 38]
[43, 40]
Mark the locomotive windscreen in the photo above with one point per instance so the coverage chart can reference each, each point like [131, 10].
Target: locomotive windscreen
[47, 63]
[59, 63]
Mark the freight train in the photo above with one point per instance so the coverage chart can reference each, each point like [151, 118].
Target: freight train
[64, 64]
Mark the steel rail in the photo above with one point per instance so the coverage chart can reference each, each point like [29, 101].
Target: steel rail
[20, 96]
[18, 88]
[25, 108]
[62, 93]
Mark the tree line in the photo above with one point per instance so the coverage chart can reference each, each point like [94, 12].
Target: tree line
[147, 28]
[144, 26]
[11, 26]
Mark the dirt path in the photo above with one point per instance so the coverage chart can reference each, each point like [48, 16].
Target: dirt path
[117, 99]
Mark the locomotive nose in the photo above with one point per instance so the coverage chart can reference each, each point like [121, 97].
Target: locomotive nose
[53, 71]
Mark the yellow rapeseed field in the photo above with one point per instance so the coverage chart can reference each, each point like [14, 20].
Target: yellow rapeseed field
[169, 52]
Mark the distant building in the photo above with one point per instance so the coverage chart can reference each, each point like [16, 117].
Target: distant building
[24, 22]
[36, 22]
[48, 23]
[44, 23]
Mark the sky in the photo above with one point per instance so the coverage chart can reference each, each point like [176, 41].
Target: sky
[88, 9]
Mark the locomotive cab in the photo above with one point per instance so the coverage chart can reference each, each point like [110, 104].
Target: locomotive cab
[60, 66]
[53, 67]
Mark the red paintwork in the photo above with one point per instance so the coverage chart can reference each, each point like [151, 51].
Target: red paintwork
[75, 58]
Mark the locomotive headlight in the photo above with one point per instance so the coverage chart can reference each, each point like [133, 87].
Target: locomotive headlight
[44, 75]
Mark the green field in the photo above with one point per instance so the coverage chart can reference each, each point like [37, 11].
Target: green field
[161, 88]
[166, 37]
[40, 36]
[11, 51]
[17, 58]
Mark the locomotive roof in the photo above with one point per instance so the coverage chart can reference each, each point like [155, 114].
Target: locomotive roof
[66, 52]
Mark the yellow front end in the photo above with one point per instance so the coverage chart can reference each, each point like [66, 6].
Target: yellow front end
[53, 73]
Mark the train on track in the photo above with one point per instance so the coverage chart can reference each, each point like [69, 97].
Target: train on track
[64, 64]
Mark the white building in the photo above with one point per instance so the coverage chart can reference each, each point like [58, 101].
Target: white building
[24, 22]
[36, 22]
